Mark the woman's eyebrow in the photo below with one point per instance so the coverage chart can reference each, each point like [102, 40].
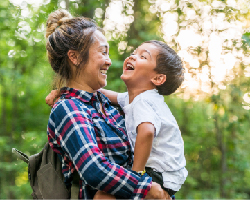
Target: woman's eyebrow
[103, 46]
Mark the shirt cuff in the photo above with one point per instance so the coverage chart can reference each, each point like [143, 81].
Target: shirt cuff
[142, 188]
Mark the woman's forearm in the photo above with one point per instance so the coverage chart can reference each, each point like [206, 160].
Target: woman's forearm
[76, 135]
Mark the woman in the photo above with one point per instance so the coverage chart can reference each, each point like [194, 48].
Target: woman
[84, 129]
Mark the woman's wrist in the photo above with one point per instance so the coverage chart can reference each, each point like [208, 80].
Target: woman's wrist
[143, 187]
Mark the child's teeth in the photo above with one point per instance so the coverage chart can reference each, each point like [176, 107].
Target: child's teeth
[103, 71]
[129, 65]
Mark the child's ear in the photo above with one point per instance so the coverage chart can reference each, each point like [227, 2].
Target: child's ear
[73, 57]
[159, 79]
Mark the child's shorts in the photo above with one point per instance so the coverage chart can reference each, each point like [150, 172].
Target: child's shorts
[157, 177]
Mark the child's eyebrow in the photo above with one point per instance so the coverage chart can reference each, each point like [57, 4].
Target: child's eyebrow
[145, 50]
[135, 51]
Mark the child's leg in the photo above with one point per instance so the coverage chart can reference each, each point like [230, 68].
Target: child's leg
[103, 195]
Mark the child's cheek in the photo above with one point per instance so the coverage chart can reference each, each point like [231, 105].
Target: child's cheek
[125, 61]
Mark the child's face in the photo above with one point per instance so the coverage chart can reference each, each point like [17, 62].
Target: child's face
[138, 68]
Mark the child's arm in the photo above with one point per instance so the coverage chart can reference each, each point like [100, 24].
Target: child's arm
[143, 145]
[52, 97]
[111, 95]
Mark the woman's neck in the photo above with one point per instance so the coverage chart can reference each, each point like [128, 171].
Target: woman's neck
[80, 86]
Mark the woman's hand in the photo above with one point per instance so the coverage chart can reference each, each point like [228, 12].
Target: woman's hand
[52, 97]
[156, 192]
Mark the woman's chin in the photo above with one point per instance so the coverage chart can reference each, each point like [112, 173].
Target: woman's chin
[103, 84]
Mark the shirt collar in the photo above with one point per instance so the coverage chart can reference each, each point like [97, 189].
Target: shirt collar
[84, 96]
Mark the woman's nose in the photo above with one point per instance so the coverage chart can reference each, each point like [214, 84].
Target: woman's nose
[108, 61]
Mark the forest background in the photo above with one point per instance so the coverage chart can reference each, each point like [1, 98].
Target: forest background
[211, 108]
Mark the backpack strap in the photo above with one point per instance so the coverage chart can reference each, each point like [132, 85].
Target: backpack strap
[22, 156]
[75, 185]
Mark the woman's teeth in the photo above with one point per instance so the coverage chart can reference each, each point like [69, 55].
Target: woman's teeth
[103, 71]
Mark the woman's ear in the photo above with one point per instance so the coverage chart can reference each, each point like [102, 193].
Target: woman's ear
[73, 57]
[159, 79]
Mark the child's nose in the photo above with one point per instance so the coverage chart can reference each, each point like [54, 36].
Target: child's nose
[133, 57]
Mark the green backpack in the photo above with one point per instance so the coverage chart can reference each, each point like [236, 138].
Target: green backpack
[46, 177]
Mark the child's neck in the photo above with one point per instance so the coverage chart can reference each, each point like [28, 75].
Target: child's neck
[133, 92]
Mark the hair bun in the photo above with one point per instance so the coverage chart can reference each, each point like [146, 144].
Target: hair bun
[56, 19]
[61, 21]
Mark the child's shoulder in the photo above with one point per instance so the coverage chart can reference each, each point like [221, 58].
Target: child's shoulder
[148, 98]
[152, 96]
[155, 100]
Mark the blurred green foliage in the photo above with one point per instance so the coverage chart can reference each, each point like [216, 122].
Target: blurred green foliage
[215, 128]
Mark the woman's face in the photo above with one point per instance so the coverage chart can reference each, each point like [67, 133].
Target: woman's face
[94, 74]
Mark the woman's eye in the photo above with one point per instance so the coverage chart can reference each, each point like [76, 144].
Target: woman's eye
[105, 53]
[144, 57]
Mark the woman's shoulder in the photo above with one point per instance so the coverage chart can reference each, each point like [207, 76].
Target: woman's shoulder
[72, 102]
[67, 106]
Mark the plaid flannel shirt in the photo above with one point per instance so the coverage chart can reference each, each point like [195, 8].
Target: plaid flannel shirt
[94, 144]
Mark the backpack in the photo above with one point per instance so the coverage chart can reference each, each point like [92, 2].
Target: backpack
[46, 177]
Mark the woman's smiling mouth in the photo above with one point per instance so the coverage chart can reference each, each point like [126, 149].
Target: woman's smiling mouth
[103, 71]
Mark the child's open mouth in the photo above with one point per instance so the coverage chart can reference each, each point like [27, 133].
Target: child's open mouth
[129, 66]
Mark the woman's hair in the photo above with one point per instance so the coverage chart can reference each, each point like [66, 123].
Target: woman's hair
[169, 64]
[64, 33]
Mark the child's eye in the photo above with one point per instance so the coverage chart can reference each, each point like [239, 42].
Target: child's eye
[144, 57]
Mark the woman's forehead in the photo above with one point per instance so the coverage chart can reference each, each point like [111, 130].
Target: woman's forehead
[100, 40]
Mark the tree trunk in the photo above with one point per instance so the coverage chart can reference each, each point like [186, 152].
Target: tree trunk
[67, 4]
[14, 124]
[3, 107]
[133, 32]
[222, 148]
[105, 4]
[87, 9]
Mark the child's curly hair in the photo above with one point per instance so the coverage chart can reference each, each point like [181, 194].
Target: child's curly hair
[170, 64]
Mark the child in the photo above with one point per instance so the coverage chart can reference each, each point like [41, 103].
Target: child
[153, 70]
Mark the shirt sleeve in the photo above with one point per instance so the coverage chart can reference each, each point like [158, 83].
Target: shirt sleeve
[121, 99]
[75, 134]
[143, 111]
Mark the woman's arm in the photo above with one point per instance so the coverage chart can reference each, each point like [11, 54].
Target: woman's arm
[72, 128]
[111, 95]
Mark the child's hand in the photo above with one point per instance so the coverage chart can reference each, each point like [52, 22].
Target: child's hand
[52, 98]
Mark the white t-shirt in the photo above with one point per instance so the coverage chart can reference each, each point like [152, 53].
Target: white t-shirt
[167, 155]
